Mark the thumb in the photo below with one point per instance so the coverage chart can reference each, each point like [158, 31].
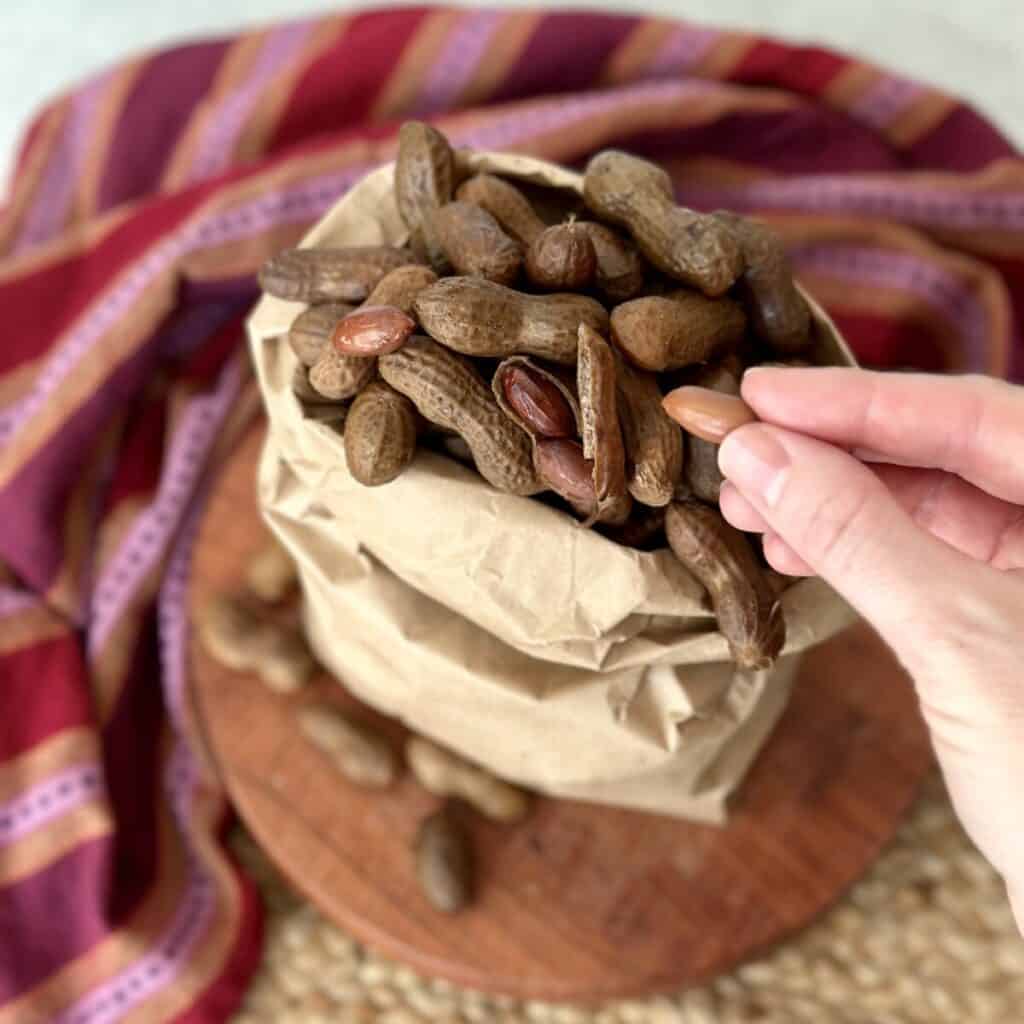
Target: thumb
[843, 522]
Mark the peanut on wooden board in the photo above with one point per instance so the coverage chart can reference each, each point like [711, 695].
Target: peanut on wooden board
[234, 633]
[444, 861]
[536, 399]
[637, 195]
[372, 331]
[448, 391]
[357, 750]
[327, 275]
[778, 312]
[272, 574]
[505, 203]
[400, 287]
[380, 435]
[481, 318]
[311, 329]
[444, 773]
[667, 332]
[562, 258]
[424, 179]
[475, 244]
[722, 560]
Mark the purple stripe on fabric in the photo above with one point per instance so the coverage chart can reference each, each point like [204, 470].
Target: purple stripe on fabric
[49, 210]
[882, 198]
[886, 100]
[168, 89]
[65, 901]
[47, 800]
[685, 47]
[458, 60]
[163, 962]
[220, 134]
[146, 542]
[883, 268]
[13, 601]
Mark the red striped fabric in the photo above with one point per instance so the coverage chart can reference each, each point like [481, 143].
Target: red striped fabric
[122, 373]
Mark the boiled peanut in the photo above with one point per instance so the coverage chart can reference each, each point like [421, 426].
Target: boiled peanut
[372, 331]
[448, 391]
[690, 247]
[423, 183]
[601, 431]
[272, 574]
[311, 329]
[561, 258]
[505, 203]
[563, 467]
[654, 444]
[643, 529]
[400, 287]
[235, 634]
[326, 275]
[721, 559]
[618, 268]
[444, 773]
[380, 435]
[359, 752]
[667, 332]
[444, 862]
[778, 312]
[339, 377]
[702, 472]
[537, 400]
[475, 244]
[708, 414]
[301, 387]
[481, 318]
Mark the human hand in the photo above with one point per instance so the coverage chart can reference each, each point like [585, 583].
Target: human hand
[906, 493]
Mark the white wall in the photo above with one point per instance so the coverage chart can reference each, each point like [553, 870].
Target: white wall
[974, 48]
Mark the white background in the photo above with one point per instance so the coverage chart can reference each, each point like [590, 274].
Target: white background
[974, 48]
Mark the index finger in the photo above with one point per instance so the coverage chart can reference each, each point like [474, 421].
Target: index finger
[972, 426]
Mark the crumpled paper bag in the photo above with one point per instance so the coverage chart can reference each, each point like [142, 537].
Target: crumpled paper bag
[495, 624]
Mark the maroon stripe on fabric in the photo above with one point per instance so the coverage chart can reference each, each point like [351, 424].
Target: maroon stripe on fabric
[47, 683]
[131, 762]
[138, 465]
[339, 88]
[883, 342]
[566, 52]
[963, 141]
[155, 114]
[1013, 273]
[807, 140]
[39, 304]
[803, 69]
[224, 995]
[53, 916]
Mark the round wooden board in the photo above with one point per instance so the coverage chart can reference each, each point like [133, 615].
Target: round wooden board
[579, 903]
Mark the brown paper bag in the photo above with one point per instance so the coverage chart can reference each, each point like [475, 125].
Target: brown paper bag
[495, 624]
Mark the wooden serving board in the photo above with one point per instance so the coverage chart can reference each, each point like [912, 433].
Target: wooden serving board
[578, 903]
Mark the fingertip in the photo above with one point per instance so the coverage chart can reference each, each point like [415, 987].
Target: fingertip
[782, 558]
[738, 512]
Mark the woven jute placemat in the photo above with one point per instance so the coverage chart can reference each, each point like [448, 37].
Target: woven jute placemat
[925, 937]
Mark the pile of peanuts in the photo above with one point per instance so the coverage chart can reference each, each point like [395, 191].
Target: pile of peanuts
[253, 629]
[539, 353]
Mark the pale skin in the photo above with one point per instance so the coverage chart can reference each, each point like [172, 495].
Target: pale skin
[906, 493]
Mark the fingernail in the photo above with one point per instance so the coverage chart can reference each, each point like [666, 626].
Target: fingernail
[706, 413]
[756, 463]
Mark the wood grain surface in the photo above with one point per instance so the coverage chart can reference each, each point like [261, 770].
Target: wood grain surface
[579, 903]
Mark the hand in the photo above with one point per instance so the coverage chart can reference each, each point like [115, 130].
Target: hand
[906, 493]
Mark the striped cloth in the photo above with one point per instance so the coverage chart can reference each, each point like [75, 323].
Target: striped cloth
[142, 205]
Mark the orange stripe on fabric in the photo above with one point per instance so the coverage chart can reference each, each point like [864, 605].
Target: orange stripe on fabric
[48, 843]
[258, 130]
[233, 69]
[27, 628]
[403, 87]
[101, 134]
[73, 746]
[636, 52]
[726, 55]
[122, 947]
[919, 119]
[36, 162]
[852, 82]
[502, 52]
